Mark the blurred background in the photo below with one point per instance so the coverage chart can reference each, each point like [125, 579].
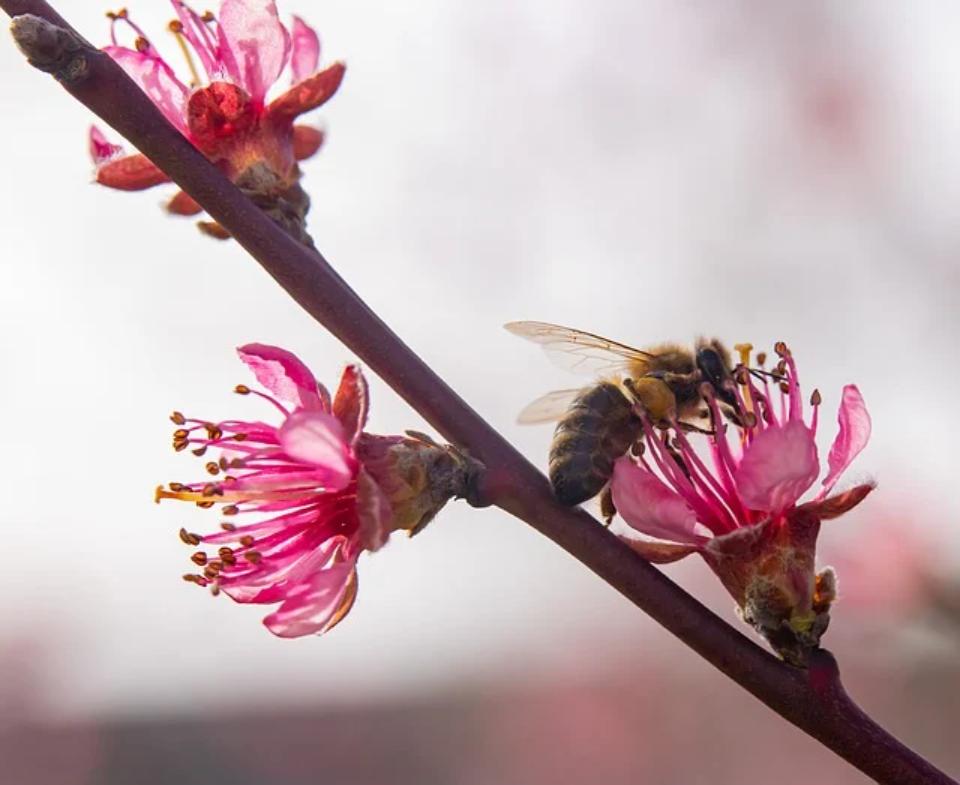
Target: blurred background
[649, 171]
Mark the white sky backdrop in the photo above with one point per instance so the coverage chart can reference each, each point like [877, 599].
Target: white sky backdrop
[649, 171]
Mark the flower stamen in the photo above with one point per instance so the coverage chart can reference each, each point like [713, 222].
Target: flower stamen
[176, 27]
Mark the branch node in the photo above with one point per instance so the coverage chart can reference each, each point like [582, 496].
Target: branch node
[51, 48]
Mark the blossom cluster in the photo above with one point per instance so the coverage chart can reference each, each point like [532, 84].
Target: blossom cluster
[223, 108]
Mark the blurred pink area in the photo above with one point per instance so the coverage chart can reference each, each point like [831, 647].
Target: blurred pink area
[654, 724]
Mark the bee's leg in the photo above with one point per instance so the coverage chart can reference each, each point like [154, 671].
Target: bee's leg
[689, 427]
[760, 373]
[607, 508]
[678, 459]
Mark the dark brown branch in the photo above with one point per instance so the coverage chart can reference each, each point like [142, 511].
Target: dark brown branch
[812, 700]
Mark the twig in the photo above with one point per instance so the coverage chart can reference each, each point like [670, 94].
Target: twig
[813, 700]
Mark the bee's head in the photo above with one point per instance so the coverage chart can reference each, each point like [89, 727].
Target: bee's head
[713, 367]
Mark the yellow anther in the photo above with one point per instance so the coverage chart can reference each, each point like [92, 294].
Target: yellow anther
[744, 350]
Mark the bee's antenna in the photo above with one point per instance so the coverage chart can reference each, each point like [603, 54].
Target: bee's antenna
[760, 373]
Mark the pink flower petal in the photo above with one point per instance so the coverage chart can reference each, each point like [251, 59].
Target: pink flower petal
[649, 506]
[306, 50]
[374, 512]
[854, 433]
[156, 79]
[317, 438]
[255, 45]
[283, 374]
[102, 150]
[777, 467]
[351, 402]
[316, 605]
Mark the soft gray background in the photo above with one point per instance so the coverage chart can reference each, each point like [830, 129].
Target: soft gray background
[649, 171]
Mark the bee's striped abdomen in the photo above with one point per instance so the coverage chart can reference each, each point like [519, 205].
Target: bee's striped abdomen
[598, 428]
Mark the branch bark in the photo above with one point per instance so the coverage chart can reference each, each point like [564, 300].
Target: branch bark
[813, 700]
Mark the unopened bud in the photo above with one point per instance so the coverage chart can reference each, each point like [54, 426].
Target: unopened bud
[50, 48]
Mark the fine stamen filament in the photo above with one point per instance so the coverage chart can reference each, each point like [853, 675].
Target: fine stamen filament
[177, 29]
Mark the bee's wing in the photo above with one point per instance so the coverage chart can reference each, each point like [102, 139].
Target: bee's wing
[579, 351]
[547, 408]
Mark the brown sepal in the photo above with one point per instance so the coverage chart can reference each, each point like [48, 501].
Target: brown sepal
[183, 204]
[660, 552]
[835, 506]
[306, 141]
[131, 173]
[312, 92]
[213, 229]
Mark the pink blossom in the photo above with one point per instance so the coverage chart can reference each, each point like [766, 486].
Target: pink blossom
[736, 501]
[224, 109]
[314, 508]
[318, 490]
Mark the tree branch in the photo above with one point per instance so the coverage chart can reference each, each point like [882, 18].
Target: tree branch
[813, 700]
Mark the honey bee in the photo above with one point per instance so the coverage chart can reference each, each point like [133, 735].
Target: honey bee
[598, 424]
